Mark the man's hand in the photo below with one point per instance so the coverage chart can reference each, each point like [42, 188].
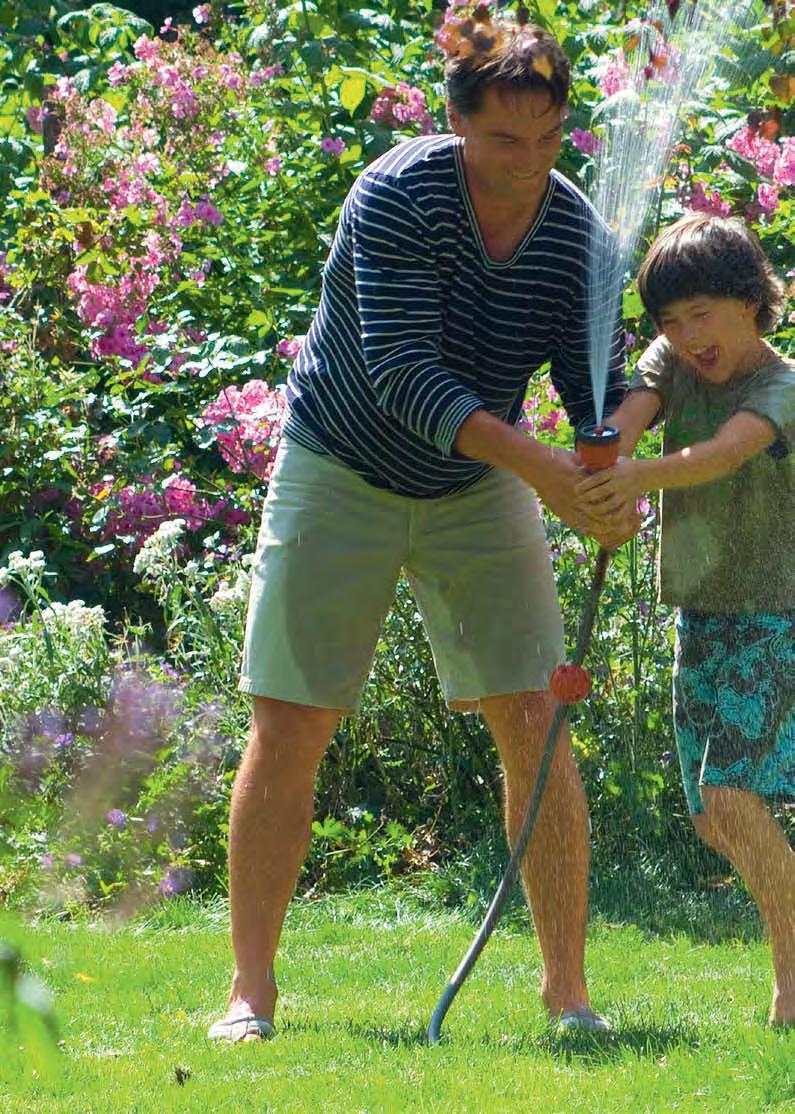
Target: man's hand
[556, 485]
[610, 489]
[618, 527]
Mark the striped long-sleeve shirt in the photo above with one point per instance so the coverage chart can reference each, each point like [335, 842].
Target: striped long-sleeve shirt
[418, 327]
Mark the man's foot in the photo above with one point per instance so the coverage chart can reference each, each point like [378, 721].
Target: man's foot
[241, 1023]
[583, 1021]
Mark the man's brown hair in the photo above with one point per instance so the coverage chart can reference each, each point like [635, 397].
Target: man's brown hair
[712, 256]
[512, 60]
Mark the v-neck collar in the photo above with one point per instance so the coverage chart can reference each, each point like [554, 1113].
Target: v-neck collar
[496, 264]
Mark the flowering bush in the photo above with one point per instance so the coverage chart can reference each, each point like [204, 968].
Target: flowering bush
[169, 197]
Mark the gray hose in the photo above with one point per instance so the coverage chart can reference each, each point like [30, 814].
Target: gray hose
[531, 815]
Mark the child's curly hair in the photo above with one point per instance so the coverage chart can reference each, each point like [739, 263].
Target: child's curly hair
[720, 257]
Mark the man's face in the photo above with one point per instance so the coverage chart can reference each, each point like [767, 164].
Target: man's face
[513, 142]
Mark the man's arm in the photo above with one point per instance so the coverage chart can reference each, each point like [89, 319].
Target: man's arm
[553, 473]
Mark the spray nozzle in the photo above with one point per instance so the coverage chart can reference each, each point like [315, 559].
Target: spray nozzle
[597, 445]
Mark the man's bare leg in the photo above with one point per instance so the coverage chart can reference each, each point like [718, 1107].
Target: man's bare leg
[738, 824]
[269, 833]
[555, 869]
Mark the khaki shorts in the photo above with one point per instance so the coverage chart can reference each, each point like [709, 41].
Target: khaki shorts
[330, 550]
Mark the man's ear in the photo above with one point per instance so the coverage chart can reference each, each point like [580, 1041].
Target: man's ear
[455, 120]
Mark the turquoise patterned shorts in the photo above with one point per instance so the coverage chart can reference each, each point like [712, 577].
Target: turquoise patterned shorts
[734, 703]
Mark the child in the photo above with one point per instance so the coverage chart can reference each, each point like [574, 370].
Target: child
[728, 533]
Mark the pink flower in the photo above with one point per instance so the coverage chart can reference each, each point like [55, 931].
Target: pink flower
[707, 201]
[273, 71]
[763, 153]
[550, 422]
[402, 104]
[274, 165]
[247, 425]
[202, 13]
[146, 49]
[585, 141]
[332, 146]
[616, 76]
[784, 169]
[117, 74]
[767, 197]
[289, 349]
[34, 117]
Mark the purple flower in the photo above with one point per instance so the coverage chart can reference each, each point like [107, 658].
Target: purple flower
[117, 819]
[629, 340]
[332, 146]
[665, 758]
[152, 824]
[46, 861]
[65, 740]
[643, 607]
[73, 860]
[176, 880]
[585, 141]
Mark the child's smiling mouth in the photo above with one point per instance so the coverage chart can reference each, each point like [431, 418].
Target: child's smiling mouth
[706, 359]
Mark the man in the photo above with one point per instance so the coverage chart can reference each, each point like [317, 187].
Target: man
[458, 268]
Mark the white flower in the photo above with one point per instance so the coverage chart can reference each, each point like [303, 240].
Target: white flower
[231, 599]
[24, 567]
[163, 542]
[75, 618]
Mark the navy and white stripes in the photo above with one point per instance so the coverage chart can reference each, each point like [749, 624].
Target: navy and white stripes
[417, 327]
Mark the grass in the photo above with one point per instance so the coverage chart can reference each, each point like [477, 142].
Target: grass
[360, 974]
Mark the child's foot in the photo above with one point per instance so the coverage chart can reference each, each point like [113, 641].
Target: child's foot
[782, 1011]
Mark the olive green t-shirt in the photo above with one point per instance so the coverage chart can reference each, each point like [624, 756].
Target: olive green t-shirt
[729, 545]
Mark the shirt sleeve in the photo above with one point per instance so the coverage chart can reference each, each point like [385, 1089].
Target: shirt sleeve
[771, 395]
[571, 358]
[398, 299]
[654, 371]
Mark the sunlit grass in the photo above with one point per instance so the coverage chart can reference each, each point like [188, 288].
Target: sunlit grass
[360, 975]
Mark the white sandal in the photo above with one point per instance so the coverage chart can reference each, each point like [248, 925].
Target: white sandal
[583, 1021]
[241, 1028]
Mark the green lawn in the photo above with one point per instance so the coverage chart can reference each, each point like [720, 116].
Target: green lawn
[360, 974]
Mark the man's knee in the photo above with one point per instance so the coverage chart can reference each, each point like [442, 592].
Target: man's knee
[288, 734]
[523, 717]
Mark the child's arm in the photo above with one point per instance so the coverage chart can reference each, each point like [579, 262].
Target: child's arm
[744, 436]
[633, 417]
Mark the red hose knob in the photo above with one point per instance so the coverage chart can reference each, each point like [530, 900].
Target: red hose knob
[570, 684]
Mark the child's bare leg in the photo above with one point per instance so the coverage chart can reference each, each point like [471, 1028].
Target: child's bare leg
[738, 824]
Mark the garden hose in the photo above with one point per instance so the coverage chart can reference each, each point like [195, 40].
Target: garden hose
[531, 815]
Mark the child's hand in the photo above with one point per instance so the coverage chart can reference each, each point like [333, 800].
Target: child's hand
[610, 489]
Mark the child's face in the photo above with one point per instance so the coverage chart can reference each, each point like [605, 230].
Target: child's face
[718, 337]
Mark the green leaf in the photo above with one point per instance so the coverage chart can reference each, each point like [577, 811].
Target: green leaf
[352, 93]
